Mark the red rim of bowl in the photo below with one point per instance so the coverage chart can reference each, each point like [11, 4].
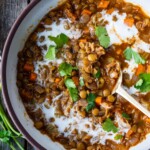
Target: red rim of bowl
[7, 100]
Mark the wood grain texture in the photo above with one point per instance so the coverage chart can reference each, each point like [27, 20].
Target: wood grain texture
[9, 11]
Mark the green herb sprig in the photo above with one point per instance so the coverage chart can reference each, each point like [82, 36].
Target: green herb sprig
[91, 102]
[129, 54]
[109, 126]
[102, 35]
[144, 82]
[59, 40]
[7, 132]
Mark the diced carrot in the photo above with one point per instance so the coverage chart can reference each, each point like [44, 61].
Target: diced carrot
[70, 15]
[75, 80]
[148, 69]
[33, 76]
[86, 30]
[119, 51]
[148, 120]
[140, 69]
[57, 80]
[83, 40]
[129, 133]
[98, 100]
[85, 11]
[28, 67]
[110, 11]
[129, 22]
[103, 4]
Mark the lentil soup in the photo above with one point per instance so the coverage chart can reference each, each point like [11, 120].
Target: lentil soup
[68, 68]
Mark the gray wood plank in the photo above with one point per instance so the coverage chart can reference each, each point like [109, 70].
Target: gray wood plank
[9, 10]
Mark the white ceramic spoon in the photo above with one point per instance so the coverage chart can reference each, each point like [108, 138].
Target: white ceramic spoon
[119, 90]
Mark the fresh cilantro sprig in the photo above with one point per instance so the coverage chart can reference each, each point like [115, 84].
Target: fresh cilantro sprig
[66, 69]
[144, 82]
[59, 40]
[109, 126]
[51, 53]
[81, 81]
[129, 54]
[118, 137]
[97, 75]
[7, 132]
[91, 101]
[126, 116]
[74, 94]
[103, 37]
[69, 83]
[72, 89]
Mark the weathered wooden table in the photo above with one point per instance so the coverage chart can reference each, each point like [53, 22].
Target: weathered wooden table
[9, 10]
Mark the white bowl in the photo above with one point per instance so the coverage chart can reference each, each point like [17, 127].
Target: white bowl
[24, 25]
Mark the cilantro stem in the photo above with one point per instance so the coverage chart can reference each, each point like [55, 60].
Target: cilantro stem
[11, 146]
[6, 125]
[6, 121]
[19, 145]
[2, 125]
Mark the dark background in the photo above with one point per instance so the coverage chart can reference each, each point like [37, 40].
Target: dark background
[9, 11]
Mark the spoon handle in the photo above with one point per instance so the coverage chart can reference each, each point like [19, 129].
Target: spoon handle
[129, 98]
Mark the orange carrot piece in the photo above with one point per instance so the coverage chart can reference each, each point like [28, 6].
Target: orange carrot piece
[140, 69]
[83, 40]
[148, 120]
[86, 30]
[129, 133]
[85, 11]
[103, 4]
[148, 69]
[110, 11]
[129, 22]
[98, 100]
[75, 80]
[119, 51]
[33, 76]
[57, 80]
[28, 67]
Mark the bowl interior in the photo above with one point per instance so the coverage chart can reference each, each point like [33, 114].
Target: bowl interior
[25, 28]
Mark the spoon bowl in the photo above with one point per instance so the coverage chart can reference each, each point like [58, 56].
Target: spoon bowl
[120, 90]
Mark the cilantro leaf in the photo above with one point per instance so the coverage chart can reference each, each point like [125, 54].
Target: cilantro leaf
[5, 135]
[90, 106]
[129, 54]
[81, 81]
[69, 83]
[51, 53]
[118, 137]
[74, 94]
[108, 126]
[59, 40]
[66, 69]
[144, 83]
[72, 89]
[126, 116]
[139, 82]
[102, 35]
[91, 101]
[98, 74]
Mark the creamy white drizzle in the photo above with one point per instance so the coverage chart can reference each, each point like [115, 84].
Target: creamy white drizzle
[117, 30]
[75, 121]
[56, 30]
